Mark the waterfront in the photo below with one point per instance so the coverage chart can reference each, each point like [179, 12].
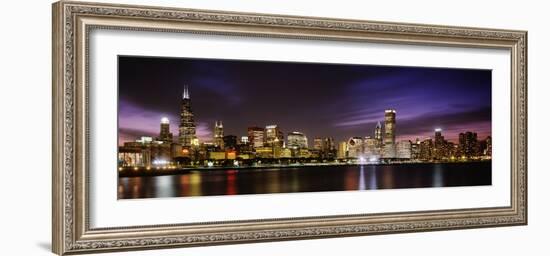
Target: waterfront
[306, 179]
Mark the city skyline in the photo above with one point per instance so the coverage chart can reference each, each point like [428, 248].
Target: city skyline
[455, 100]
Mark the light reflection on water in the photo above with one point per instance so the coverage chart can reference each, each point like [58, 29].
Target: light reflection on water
[305, 179]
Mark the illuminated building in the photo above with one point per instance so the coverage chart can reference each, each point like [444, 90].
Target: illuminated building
[285, 153]
[151, 150]
[468, 144]
[378, 133]
[143, 140]
[355, 147]
[230, 141]
[440, 145]
[342, 150]
[218, 134]
[324, 147]
[488, 146]
[244, 140]
[329, 149]
[176, 150]
[187, 129]
[273, 134]
[318, 144]
[304, 153]
[128, 157]
[216, 155]
[231, 155]
[389, 134]
[165, 134]
[264, 152]
[426, 149]
[256, 136]
[403, 149]
[370, 148]
[415, 149]
[296, 140]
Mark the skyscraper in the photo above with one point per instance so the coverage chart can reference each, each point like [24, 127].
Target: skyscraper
[230, 141]
[389, 134]
[218, 134]
[274, 135]
[165, 134]
[187, 128]
[439, 145]
[256, 136]
[378, 133]
[342, 149]
[468, 144]
[403, 149]
[355, 147]
[296, 140]
[318, 143]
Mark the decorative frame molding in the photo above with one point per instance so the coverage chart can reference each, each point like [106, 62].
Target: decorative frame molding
[72, 22]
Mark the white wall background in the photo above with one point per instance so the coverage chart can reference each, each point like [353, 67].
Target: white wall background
[25, 99]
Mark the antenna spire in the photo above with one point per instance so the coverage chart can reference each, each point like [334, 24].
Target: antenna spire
[186, 92]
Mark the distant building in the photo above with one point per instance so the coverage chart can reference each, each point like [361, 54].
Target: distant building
[342, 149]
[440, 145]
[133, 157]
[389, 134]
[218, 134]
[145, 152]
[230, 141]
[244, 140]
[165, 135]
[264, 152]
[296, 140]
[355, 147]
[273, 134]
[403, 149]
[488, 146]
[325, 147]
[304, 153]
[468, 144]
[378, 133]
[415, 149]
[426, 149]
[187, 128]
[371, 148]
[216, 155]
[318, 143]
[256, 136]
[284, 153]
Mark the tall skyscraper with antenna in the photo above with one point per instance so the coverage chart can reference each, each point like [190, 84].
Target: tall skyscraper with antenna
[187, 128]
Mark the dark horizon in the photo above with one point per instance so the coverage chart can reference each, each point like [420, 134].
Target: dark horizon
[318, 99]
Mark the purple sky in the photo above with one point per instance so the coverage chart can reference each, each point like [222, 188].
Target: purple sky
[321, 100]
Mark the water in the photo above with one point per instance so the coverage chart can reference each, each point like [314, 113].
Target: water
[306, 179]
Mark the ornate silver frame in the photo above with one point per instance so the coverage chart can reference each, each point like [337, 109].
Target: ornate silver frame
[72, 21]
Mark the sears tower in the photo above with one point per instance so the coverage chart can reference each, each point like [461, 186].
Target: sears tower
[187, 129]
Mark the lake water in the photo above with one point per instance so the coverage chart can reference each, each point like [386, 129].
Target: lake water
[306, 179]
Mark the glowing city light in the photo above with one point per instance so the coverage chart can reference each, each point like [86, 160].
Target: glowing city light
[164, 120]
[160, 162]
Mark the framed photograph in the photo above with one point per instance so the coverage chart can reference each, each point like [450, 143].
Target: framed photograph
[179, 127]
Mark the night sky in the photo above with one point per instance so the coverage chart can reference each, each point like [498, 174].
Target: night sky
[321, 100]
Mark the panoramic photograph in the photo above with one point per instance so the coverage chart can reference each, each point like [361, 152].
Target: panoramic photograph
[213, 127]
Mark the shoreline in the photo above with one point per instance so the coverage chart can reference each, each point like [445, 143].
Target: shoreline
[143, 172]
